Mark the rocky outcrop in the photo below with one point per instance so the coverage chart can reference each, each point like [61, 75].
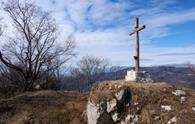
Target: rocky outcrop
[108, 111]
[121, 102]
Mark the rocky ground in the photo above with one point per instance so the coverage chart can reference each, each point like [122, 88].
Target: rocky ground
[120, 102]
[114, 102]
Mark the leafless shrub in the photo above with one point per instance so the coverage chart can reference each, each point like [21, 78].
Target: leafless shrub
[89, 70]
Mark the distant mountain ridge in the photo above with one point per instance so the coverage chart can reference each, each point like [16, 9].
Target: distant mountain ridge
[177, 74]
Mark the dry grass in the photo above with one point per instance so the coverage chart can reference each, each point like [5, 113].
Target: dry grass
[105, 90]
[44, 107]
[150, 97]
[51, 107]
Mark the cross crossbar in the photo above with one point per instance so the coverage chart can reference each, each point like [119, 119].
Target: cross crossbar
[137, 29]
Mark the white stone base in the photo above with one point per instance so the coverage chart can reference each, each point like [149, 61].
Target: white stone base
[131, 76]
[141, 76]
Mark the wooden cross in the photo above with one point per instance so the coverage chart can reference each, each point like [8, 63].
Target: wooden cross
[136, 32]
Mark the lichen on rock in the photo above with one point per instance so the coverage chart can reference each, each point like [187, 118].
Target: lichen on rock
[120, 102]
[179, 93]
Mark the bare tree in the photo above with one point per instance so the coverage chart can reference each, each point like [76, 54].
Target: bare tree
[34, 49]
[90, 69]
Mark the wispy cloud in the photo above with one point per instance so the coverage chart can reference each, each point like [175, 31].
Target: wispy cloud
[177, 54]
[101, 27]
[166, 19]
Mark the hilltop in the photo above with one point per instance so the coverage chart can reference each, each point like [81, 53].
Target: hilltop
[112, 102]
[120, 102]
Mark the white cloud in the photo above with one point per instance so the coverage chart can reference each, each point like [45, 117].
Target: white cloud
[101, 27]
[166, 19]
[168, 55]
[104, 12]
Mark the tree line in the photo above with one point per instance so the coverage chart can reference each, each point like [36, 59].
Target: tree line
[34, 57]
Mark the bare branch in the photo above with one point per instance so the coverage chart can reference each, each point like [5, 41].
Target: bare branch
[91, 69]
[35, 46]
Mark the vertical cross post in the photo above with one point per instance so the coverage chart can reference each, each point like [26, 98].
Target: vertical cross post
[137, 65]
[137, 51]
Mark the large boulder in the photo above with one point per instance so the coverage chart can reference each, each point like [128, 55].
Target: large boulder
[119, 102]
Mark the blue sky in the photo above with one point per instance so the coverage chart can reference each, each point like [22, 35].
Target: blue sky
[101, 28]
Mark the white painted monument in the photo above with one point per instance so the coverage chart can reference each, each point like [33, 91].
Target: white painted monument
[141, 76]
